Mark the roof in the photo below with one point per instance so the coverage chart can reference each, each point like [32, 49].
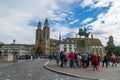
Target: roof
[18, 44]
[54, 40]
[93, 42]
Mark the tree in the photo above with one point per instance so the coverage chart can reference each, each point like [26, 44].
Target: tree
[38, 49]
[117, 51]
[110, 46]
[1, 44]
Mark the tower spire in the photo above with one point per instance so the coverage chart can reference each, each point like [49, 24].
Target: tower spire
[39, 25]
[91, 35]
[60, 36]
[46, 23]
[14, 41]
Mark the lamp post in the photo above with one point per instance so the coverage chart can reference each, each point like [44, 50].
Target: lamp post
[14, 41]
[14, 46]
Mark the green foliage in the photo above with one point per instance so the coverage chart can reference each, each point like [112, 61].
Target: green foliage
[1, 44]
[38, 49]
[111, 48]
[110, 45]
[117, 51]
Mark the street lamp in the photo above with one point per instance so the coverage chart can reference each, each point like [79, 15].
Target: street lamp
[14, 41]
[13, 46]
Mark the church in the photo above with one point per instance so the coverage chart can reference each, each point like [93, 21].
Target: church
[52, 46]
[43, 37]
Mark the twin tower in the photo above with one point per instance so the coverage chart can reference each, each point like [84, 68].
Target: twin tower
[43, 36]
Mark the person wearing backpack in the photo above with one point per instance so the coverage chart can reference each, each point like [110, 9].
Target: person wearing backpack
[57, 58]
[61, 59]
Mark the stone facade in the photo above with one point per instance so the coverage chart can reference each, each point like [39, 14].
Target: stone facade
[43, 37]
[69, 44]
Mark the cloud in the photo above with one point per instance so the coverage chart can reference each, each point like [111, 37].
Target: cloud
[75, 21]
[57, 28]
[86, 3]
[15, 18]
[111, 25]
[86, 20]
[68, 2]
[95, 3]
[102, 3]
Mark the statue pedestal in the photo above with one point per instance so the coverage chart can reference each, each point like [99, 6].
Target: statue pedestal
[83, 45]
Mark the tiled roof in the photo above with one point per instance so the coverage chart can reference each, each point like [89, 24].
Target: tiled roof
[93, 42]
[54, 40]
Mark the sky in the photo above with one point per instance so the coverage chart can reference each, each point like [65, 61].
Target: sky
[19, 19]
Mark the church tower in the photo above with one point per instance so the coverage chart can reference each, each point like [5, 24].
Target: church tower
[60, 36]
[46, 38]
[39, 33]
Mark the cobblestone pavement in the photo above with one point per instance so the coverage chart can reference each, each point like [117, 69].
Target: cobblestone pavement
[31, 70]
[111, 73]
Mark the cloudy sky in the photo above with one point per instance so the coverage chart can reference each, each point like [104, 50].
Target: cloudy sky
[19, 18]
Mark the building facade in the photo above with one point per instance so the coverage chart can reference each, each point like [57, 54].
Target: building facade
[22, 49]
[43, 37]
[69, 44]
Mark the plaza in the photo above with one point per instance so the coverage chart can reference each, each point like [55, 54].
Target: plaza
[110, 73]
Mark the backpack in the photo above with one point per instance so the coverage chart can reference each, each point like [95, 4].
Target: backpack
[58, 56]
[61, 55]
[85, 57]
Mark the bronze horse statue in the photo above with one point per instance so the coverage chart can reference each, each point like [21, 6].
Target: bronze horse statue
[83, 32]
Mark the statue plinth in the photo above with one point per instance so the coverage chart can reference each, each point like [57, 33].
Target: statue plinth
[83, 45]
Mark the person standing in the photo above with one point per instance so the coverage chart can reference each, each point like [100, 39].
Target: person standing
[85, 58]
[79, 62]
[95, 61]
[14, 57]
[50, 57]
[75, 60]
[65, 58]
[105, 60]
[72, 57]
[88, 60]
[61, 59]
[17, 56]
[113, 60]
[98, 56]
[57, 58]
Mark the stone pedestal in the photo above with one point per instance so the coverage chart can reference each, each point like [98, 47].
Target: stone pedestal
[83, 45]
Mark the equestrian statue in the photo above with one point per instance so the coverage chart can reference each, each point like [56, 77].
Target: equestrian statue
[83, 32]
